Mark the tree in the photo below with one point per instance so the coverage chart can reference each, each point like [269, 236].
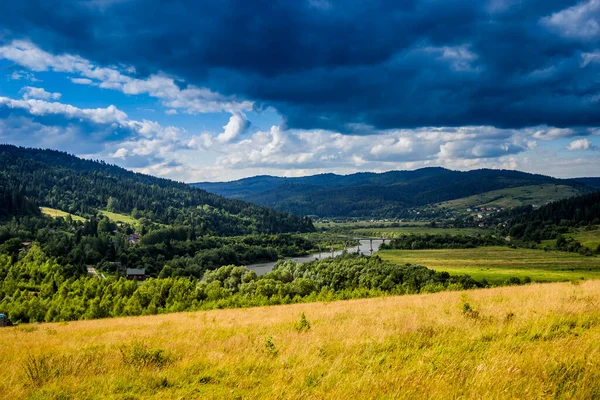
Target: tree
[113, 204]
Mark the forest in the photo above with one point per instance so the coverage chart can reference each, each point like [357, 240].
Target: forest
[164, 251]
[61, 181]
[554, 219]
[442, 241]
[38, 288]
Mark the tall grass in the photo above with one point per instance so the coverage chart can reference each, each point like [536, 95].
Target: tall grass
[534, 341]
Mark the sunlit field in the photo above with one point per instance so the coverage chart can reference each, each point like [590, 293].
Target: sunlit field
[512, 197]
[497, 264]
[417, 230]
[533, 341]
[54, 213]
[116, 217]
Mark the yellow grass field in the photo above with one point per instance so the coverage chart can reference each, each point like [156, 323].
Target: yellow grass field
[117, 217]
[535, 341]
[54, 213]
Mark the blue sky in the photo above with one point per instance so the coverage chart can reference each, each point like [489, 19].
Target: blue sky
[198, 91]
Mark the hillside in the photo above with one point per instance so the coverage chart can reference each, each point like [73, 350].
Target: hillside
[536, 341]
[388, 194]
[553, 219]
[535, 195]
[61, 181]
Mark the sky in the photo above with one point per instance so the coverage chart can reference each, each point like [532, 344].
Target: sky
[224, 89]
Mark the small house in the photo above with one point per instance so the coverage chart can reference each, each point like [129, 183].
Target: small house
[136, 274]
[133, 238]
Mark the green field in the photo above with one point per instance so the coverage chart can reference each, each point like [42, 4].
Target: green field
[118, 217]
[365, 224]
[513, 197]
[497, 264]
[396, 232]
[589, 239]
[54, 213]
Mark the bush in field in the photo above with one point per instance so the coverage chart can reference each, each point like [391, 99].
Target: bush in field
[303, 325]
[140, 355]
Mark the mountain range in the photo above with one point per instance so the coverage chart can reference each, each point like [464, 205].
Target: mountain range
[388, 194]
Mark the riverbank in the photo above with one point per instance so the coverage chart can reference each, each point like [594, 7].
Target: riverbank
[366, 247]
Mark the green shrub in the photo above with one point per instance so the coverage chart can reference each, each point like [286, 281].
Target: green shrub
[139, 355]
[303, 325]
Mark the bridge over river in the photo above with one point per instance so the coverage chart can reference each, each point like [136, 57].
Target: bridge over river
[366, 246]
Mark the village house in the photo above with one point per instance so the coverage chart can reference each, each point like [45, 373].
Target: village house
[134, 238]
[136, 274]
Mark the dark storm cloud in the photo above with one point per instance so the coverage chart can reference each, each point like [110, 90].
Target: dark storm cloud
[335, 64]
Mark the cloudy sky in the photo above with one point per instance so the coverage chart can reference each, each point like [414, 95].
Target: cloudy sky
[224, 89]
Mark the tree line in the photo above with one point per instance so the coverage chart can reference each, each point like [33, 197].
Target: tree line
[37, 288]
[444, 241]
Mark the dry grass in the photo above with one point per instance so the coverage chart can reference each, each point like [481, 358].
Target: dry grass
[536, 341]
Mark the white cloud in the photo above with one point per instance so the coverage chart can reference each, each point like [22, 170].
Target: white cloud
[580, 144]
[460, 58]
[120, 153]
[237, 125]
[190, 99]
[82, 81]
[579, 21]
[39, 93]
[28, 76]
[110, 114]
[550, 133]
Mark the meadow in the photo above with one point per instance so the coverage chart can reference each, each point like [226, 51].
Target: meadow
[497, 264]
[391, 233]
[116, 217]
[513, 197]
[54, 213]
[533, 341]
[588, 238]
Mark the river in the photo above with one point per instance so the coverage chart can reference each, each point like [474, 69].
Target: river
[365, 248]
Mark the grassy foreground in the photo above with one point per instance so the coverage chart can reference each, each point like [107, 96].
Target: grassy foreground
[497, 264]
[535, 341]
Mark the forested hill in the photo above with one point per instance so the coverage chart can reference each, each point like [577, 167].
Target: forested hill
[552, 219]
[62, 181]
[387, 194]
[13, 203]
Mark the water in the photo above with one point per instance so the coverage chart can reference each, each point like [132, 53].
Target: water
[365, 248]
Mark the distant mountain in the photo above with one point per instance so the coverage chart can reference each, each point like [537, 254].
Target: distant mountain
[592, 182]
[62, 181]
[388, 194]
